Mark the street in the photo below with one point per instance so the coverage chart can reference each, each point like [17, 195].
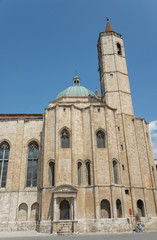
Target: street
[99, 236]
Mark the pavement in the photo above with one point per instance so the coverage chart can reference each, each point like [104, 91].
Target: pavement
[28, 235]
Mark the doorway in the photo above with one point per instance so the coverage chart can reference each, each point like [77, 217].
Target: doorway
[64, 210]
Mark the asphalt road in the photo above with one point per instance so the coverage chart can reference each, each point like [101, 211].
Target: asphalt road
[117, 236]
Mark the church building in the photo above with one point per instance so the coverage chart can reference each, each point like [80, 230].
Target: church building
[86, 164]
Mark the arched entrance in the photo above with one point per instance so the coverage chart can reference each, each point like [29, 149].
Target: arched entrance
[64, 210]
[119, 208]
[105, 209]
[140, 208]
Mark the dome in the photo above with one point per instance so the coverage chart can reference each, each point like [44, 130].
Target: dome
[76, 91]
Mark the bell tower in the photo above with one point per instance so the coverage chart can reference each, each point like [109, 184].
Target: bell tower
[115, 88]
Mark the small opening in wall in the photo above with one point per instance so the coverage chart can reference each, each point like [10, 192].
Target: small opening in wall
[147, 136]
[127, 192]
[119, 51]
[122, 147]
[118, 128]
[98, 109]
[64, 109]
[123, 168]
[111, 75]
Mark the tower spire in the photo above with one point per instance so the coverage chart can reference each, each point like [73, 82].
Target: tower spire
[108, 26]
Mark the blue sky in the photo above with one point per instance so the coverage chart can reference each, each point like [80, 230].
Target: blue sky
[43, 43]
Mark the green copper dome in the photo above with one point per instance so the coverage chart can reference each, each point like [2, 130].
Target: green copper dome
[76, 91]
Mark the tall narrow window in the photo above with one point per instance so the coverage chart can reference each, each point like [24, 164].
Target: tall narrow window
[140, 208]
[88, 175]
[52, 173]
[32, 168]
[115, 172]
[65, 139]
[119, 50]
[100, 139]
[119, 208]
[154, 176]
[79, 169]
[4, 158]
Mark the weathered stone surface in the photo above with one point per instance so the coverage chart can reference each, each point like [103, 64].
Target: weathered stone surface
[109, 180]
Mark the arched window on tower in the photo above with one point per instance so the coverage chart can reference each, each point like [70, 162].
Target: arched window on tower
[119, 50]
[115, 171]
[105, 209]
[52, 173]
[32, 167]
[65, 139]
[100, 139]
[79, 169]
[4, 158]
[88, 174]
[140, 208]
[119, 208]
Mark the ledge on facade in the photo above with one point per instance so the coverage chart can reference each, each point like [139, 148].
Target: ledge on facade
[22, 116]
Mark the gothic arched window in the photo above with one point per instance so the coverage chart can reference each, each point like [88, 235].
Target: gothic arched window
[119, 208]
[119, 50]
[105, 209]
[88, 174]
[4, 158]
[65, 139]
[52, 173]
[79, 169]
[32, 167]
[140, 208]
[115, 172]
[100, 139]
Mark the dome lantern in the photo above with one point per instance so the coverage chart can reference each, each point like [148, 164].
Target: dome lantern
[76, 81]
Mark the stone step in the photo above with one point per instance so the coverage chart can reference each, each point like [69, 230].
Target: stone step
[65, 229]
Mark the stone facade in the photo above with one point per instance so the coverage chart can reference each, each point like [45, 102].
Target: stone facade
[95, 159]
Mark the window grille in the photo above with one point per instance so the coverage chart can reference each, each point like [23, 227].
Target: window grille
[32, 167]
[4, 158]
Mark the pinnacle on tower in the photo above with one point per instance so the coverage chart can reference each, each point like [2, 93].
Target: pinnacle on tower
[108, 27]
[97, 94]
